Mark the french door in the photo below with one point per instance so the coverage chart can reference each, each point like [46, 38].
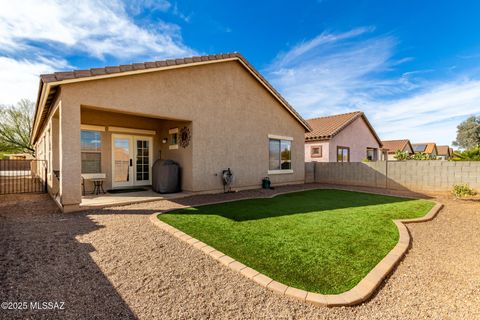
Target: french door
[131, 160]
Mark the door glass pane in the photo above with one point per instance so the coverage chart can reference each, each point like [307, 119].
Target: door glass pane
[121, 159]
[143, 167]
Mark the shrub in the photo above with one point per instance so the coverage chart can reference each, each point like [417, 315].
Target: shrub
[467, 155]
[422, 156]
[401, 155]
[463, 190]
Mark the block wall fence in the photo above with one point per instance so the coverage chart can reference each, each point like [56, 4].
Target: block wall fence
[435, 175]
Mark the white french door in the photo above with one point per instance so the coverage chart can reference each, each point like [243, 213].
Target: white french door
[131, 160]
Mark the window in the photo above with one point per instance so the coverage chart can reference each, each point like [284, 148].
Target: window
[372, 154]
[316, 151]
[280, 154]
[143, 157]
[343, 154]
[91, 146]
[173, 138]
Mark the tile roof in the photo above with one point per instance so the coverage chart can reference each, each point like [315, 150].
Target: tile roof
[427, 147]
[444, 150]
[54, 79]
[394, 145]
[324, 128]
[76, 74]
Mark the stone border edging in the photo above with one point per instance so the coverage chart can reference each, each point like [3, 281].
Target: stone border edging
[358, 294]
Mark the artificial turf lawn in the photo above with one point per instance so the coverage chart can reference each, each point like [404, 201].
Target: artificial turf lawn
[323, 241]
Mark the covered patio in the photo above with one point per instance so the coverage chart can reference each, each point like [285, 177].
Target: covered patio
[90, 201]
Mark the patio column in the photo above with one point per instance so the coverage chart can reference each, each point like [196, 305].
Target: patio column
[70, 156]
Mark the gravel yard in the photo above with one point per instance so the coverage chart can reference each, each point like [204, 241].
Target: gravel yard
[114, 263]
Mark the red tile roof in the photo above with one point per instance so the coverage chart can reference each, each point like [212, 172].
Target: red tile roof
[394, 145]
[444, 151]
[430, 147]
[325, 128]
[76, 74]
[55, 79]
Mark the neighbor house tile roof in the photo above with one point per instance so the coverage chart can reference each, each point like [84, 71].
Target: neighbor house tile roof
[428, 147]
[443, 150]
[394, 145]
[325, 128]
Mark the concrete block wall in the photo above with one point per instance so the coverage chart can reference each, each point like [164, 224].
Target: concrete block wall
[398, 175]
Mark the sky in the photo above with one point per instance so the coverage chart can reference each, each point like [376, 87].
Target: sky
[412, 66]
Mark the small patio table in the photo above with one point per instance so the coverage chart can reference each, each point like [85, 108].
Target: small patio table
[97, 179]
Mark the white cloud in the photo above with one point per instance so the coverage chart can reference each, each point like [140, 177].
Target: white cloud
[429, 115]
[94, 27]
[19, 78]
[354, 70]
[333, 72]
[37, 36]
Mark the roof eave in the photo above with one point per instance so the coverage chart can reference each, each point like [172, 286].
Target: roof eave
[45, 85]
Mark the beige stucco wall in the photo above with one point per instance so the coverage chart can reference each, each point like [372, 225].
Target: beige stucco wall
[231, 117]
[325, 151]
[357, 136]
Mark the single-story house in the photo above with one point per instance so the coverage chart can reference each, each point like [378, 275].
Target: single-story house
[429, 148]
[206, 113]
[345, 137]
[444, 152]
[392, 146]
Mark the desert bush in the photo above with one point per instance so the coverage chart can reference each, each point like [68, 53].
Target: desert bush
[401, 155]
[463, 190]
[467, 155]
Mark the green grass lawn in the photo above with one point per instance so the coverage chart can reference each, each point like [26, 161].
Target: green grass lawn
[323, 241]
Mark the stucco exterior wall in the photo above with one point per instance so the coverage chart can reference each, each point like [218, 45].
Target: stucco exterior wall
[103, 118]
[325, 145]
[357, 137]
[229, 112]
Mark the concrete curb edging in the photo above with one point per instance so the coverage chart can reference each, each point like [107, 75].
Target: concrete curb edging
[358, 294]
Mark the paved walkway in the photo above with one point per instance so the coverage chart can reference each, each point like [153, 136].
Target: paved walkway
[113, 263]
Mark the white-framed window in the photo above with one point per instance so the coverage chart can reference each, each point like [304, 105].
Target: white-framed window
[343, 154]
[280, 154]
[173, 138]
[91, 148]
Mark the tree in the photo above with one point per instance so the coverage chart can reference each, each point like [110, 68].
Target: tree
[16, 127]
[468, 133]
[467, 155]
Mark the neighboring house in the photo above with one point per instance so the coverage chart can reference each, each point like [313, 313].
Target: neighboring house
[429, 148]
[392, 146]
[345, 137]
[206, 113]
[444, 152]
